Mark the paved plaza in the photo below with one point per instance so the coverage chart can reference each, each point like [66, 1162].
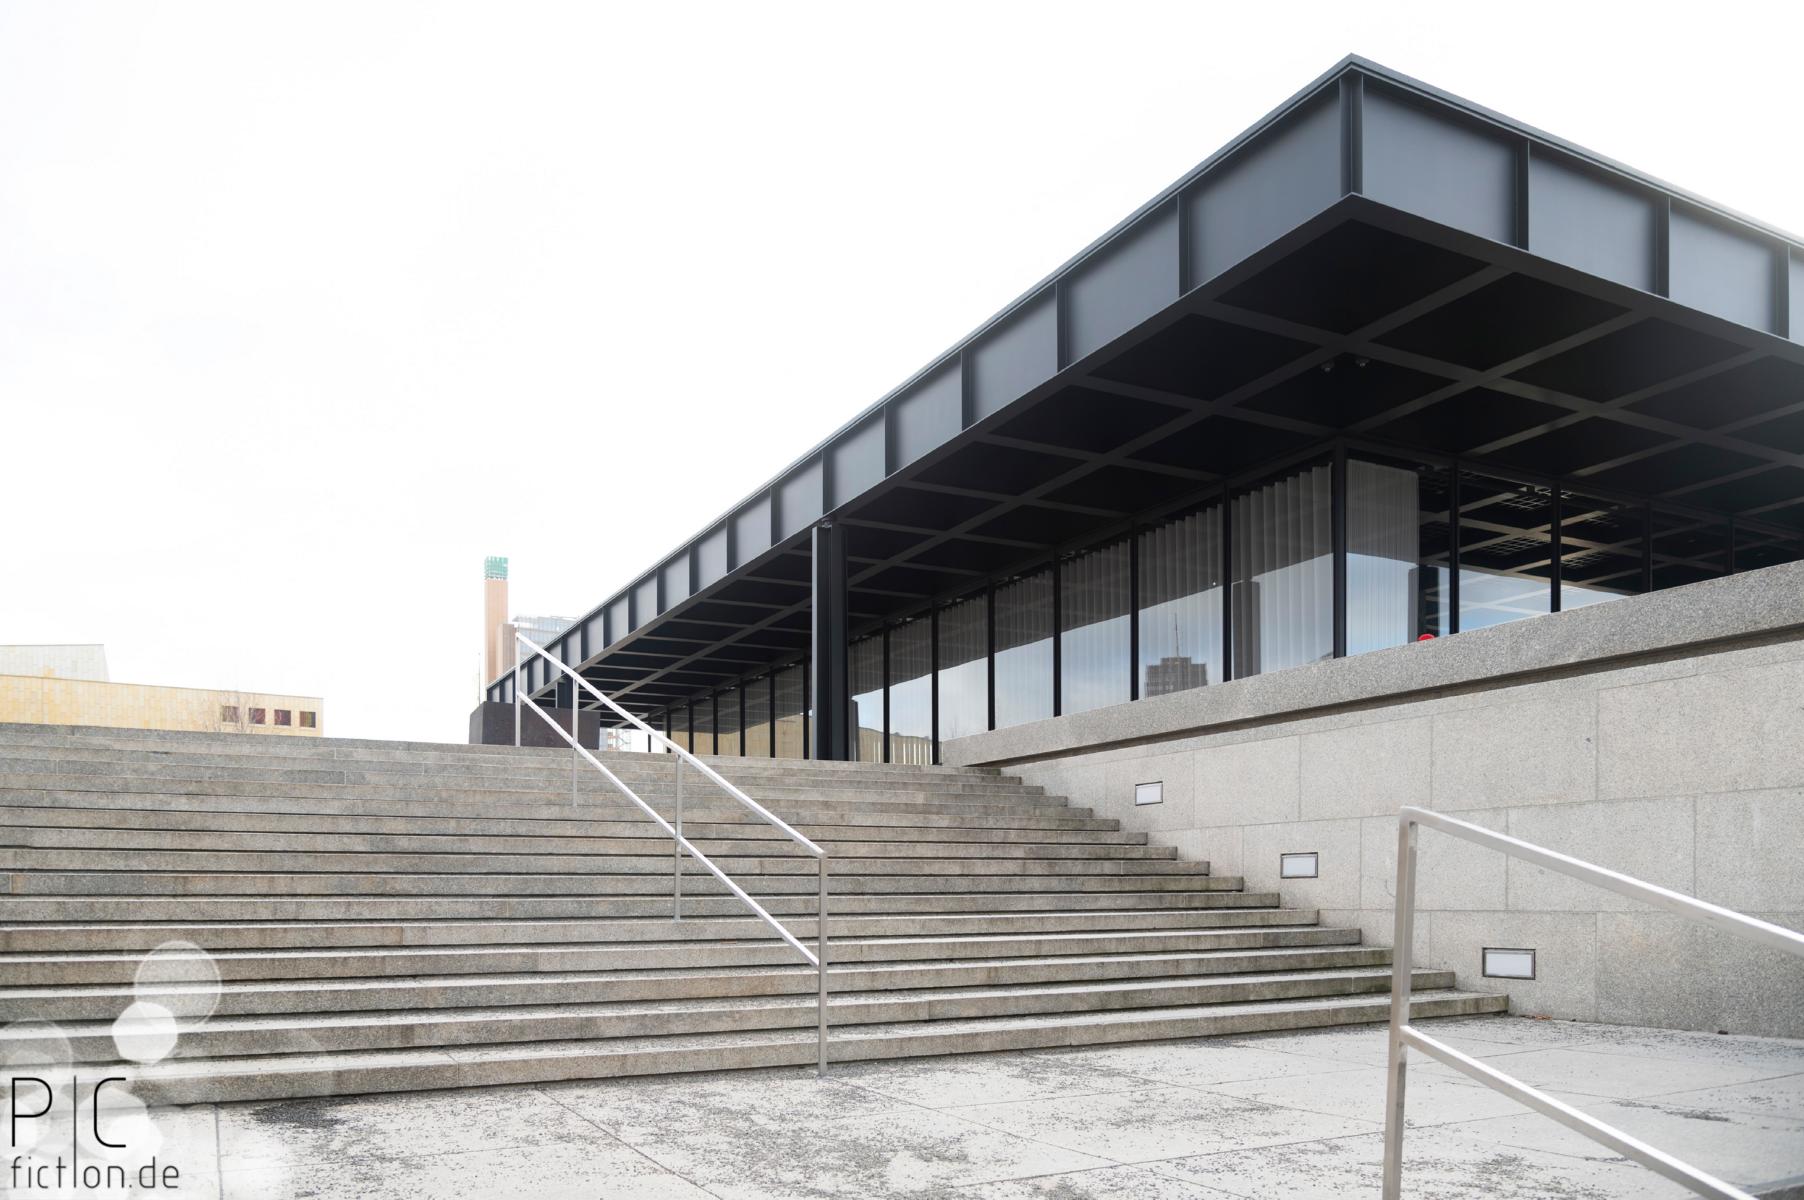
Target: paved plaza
[1291, 1115]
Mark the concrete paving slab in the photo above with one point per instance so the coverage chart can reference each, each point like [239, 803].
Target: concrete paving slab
[907, 1152]
[1160, 1122]
[1438, 1163]
[1202, 1062]
[1293, 1115]
[561, 1171]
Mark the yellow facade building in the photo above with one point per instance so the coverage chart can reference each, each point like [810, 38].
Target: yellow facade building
[46, 696]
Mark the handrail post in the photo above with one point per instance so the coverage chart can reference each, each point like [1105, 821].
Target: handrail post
[676, 849]
[820, 957]
[1403, 946]
[516, 695]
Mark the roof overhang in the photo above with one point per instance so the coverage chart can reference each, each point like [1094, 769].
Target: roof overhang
[1375, 261]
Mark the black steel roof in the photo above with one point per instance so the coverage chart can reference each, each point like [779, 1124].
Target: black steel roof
[1376, 260]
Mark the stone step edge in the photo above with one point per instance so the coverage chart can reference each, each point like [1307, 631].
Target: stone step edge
[388, 1071]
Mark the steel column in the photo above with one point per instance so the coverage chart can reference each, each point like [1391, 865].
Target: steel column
[1402, 966]
[832, 682]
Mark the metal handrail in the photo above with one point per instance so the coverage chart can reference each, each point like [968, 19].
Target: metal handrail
[680, 844]
[1404, 1036]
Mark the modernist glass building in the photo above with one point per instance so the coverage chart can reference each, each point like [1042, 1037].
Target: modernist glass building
[1389, 367]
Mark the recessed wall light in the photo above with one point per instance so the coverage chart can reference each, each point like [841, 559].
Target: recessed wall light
[1149, 793]
[1507, 963]
[1299, 866]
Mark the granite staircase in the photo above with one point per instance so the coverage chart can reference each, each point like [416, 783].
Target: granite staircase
[329, 916]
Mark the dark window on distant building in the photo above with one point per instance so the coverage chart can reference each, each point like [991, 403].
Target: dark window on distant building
[257, 716]
[309, 720]
[284, 717]
[228, 714]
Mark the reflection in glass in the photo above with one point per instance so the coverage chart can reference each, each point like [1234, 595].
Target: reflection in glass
[1284, 573]
[679, 728]
[1603, 549]
[1180, 603]
[757, 718]
[1687, 549]
[1095, 652]
[964, 668]
[1398, 541]
[866, 659]
[911, 693]
[1759, 546]
[1505, 549]
[1024, 650]
[726, 723]
[791, 742]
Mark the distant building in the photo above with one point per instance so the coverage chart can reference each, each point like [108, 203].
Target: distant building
[498, 632]
[1175, 673]
[68, 685]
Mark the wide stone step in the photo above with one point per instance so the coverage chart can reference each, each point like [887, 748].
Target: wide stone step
[544, 777]
[737, 860]
[967, 830]
[183, 1081]
[241, 935]
[70, 882]
[552, 773]
[70, 1002]
[593, 801]
[21, 911]
[93, 1042]
[758, 841]
[60, 969]
[152, 742]
[611, 810]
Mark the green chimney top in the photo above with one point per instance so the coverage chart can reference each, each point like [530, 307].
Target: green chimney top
[494, 567]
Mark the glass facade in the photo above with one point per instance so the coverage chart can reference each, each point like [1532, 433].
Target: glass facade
[1283, 589]
[1024, 650]
[1237, 583]
[911, 692]
[791, 725]
[1181, 573]
[1687, 549]
[1505, 550]
[1399, 548]
[866, 660]
[1095, 606]
[1603, 549]
[727, 738]
[964, 668]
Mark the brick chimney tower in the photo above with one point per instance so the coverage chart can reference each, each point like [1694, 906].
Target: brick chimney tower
[497, 632]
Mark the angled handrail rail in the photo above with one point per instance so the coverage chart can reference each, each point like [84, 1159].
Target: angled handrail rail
[681, 844]
[1404, 1036]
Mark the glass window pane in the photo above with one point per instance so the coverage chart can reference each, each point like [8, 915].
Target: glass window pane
[1505, 551]
[790, 742]
[911, 693]
[1688, 548]
[1284, 573]
[702, 726]
[1180, 603]
[679, 728]
[727, 739]
[757, 718]
[964, 668]
[1759, 546]
[1603, 549]
[1094, 654]
[867, 699]
[1024, 650]
[1398, 540]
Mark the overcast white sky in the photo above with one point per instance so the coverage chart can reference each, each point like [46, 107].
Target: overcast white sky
[283, 285]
